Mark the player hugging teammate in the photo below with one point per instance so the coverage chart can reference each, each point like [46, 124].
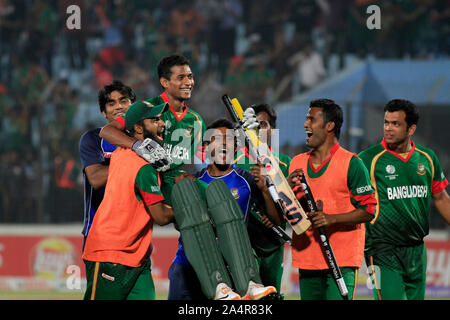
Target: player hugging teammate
[227, 251]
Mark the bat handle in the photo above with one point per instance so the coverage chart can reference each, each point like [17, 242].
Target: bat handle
[336, 272]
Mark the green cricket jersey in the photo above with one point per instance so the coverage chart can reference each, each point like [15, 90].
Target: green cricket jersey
[263, 239]
[403, 188]
[362, 195]
[183, 132]
[147, 185]
[183, 136]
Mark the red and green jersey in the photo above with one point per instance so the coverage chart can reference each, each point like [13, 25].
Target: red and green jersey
[147, 185]
[403, 188]
[358, 181]
[183, 132]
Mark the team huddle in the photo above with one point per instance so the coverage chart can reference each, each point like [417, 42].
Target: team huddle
[157, 162]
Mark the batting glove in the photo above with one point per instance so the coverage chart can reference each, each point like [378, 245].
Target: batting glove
[249, 120]
[153, 153]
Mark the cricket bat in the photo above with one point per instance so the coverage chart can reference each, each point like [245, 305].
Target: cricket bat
[276, 229]
[328, 251]
[279, 188]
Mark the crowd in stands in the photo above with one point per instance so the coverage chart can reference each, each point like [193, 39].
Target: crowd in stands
[50, 74]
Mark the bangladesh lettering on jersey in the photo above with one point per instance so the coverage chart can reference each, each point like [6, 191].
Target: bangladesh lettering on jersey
[182, 135]
[403, 188]
[183, 132]
[407, 192]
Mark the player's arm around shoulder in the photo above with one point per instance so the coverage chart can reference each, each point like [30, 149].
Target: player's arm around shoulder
[148, 190]
[114, 133]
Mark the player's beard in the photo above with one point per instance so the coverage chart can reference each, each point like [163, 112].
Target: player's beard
[222, 167]
[151, 135]
[397, 141]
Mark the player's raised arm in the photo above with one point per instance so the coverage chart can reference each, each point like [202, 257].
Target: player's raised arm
[260, 179]
[114, 133]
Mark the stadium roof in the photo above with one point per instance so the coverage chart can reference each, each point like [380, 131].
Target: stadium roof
[426, 83]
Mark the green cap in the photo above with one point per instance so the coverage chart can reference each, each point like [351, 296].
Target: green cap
[140, 110]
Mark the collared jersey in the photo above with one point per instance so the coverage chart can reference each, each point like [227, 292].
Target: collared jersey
[342, 183]
[403, 188]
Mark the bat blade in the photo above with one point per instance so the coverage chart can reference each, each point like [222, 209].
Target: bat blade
[293, 211]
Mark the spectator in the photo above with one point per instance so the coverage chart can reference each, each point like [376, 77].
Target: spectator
[309, 65]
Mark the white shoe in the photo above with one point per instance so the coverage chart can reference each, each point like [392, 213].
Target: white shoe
[224, 292]
[258, 291]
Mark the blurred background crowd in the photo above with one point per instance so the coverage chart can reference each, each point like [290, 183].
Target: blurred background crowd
[257, 50]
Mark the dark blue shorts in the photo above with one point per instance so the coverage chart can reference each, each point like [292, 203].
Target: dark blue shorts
[184, 283]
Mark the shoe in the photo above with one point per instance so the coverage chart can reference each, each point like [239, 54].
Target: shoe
[224, 292]
[258, 291]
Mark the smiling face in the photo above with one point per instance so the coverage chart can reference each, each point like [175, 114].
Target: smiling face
[116, 105]
[315, 127]
[265, 131]
[179, 86]
[221, 147]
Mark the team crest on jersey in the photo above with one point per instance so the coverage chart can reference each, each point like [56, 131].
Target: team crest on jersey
[390, 169]
[420, 169]
[235, 193]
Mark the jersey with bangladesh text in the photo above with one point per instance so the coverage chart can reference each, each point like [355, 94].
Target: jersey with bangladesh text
[182, 135]
[183, 132]
[403, 188]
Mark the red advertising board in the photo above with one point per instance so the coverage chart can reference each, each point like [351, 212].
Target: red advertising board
[45, 257]
[46, 261]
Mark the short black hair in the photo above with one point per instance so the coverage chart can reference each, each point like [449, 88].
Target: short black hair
[219, 123]
[331, 113]
[115, 85]
[264, 107]
[410, 109]
[168, 62]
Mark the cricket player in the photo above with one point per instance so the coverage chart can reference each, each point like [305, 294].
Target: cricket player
[189, 274]
[406, 177]
[340, 184]
[268, 246]
[118, 248]
[184, 127]
[95, 152]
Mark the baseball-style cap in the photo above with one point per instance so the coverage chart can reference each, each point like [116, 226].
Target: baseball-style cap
[143, 109]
